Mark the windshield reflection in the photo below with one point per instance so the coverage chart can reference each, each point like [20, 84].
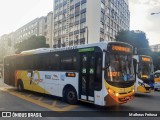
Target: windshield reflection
[144, 70]
[120, 69]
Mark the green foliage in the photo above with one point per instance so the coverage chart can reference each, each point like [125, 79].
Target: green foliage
[2, 53]
[9, 42]
[137, 39]
[156, 60]
[32, 42]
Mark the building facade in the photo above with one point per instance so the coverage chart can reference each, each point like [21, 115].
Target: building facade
[40, 27]
[45, 27]
[84, 21]
[7, 44]
[155, 48]
[49, 28]
[31, 28]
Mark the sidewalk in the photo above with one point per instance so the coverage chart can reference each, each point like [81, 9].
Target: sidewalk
[3, 85]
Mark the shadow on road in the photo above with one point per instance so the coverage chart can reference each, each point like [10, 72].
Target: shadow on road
[143, 95]
[118, 108]
[92, 107]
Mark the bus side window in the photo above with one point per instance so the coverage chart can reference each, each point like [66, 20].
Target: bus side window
[39, 62]
[68, 62]
[46, 61]
[20, 63]
[98, 80]
[55, 61]
[25, 63]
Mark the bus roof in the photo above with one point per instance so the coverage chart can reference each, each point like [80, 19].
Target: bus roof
[143, 56]
[158, 71]
[102, 45]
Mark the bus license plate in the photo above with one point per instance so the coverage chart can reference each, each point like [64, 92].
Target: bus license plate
[127, 98]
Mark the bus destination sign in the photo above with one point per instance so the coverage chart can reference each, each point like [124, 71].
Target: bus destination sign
[120, 48]
[146, 59]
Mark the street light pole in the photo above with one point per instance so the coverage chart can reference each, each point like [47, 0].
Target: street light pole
[155, 13]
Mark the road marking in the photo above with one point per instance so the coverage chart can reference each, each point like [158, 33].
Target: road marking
[54, 103]
[40, 103]
[40, 98]
[29, 95]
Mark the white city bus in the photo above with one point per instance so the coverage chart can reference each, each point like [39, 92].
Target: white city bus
[157, 80]
[143, 67]
[100, 73]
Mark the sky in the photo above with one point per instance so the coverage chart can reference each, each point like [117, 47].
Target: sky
[141, 18]
[16, 13]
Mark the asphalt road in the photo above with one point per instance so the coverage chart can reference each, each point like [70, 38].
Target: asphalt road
[11, 100]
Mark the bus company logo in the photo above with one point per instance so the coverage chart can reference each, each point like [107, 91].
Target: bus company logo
[6, 114]
[47, 76]
[37, 81]
[55, 77]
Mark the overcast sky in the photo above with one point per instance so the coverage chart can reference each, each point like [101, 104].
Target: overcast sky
[16, 13]
[142, 20]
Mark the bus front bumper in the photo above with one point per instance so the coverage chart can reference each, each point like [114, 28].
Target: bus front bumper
[120, 99]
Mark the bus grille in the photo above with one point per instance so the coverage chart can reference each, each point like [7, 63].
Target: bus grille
[122, 84]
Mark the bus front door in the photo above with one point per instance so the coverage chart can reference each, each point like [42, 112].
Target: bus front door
[87, 76]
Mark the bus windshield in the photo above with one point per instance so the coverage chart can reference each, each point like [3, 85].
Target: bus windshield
[120, 69]
[144, 69]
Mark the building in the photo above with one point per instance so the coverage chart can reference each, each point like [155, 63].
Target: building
[40, 27]
[45, 27]
[31, 28]
[84, 21]
[7, 44]
[155, 48]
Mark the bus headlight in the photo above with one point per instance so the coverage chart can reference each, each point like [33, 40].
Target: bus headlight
[113, 92]
[109, 90]
[117, 94]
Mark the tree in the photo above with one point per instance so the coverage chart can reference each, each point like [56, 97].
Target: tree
[156, 60]
[32, 42]
[9, 42]
[2, 53]
[137, 39]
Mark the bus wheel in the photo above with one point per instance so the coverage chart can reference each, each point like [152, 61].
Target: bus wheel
[20, 86]
[71, 96]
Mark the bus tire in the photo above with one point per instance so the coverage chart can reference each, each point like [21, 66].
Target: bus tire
[20, 86]
[71, 96]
